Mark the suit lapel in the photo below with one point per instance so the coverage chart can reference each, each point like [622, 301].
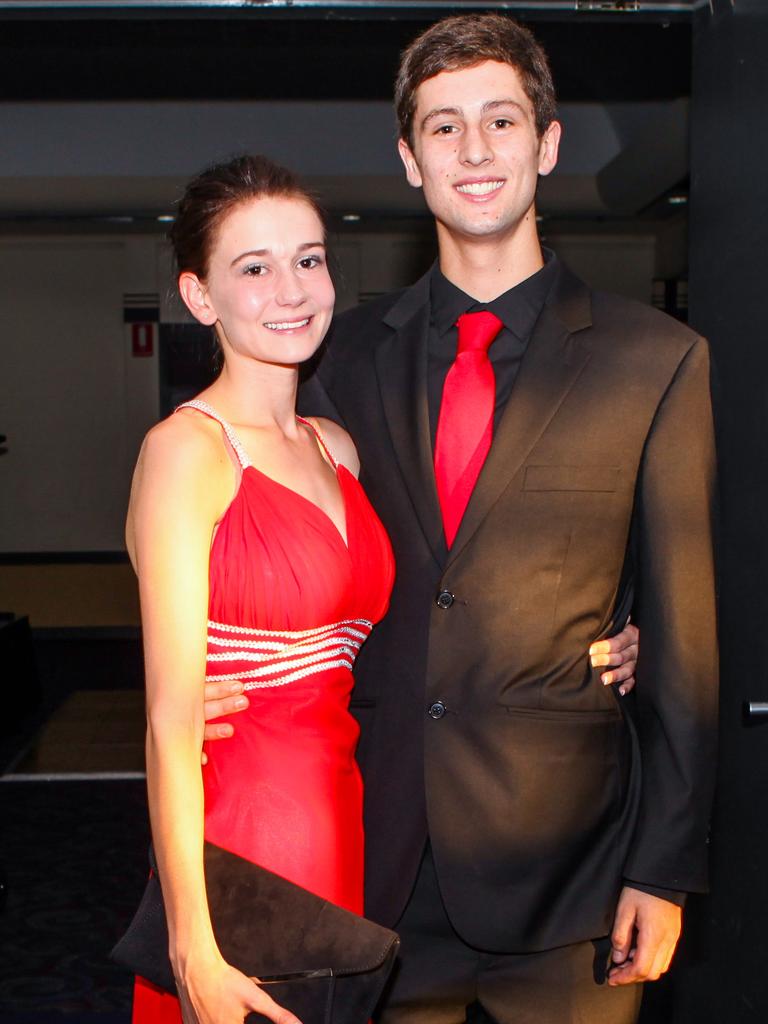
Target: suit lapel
[553, 361]
[401, 367]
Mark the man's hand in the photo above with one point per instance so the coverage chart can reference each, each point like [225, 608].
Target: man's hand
[222, 699]
[645, 933]
[619, 653]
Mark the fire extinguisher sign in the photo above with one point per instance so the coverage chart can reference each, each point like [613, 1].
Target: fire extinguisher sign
[141, 315]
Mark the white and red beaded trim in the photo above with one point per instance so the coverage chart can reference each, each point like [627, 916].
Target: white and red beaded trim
[283, 656]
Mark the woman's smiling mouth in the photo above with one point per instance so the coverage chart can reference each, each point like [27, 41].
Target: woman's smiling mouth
[287, 325]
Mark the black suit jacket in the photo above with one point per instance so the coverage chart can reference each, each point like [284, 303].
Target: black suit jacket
[538, 787]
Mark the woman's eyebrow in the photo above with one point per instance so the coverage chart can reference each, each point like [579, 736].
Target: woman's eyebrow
[265, 252]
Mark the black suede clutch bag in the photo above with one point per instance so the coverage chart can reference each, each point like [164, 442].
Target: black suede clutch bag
[325, 964]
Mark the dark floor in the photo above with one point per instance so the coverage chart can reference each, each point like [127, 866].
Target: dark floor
[73, 853]
[75, 860]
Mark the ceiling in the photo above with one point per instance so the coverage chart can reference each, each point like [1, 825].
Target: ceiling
[108, 108]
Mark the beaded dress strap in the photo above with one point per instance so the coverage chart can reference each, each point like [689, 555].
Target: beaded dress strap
[232, 437]
[321, 441]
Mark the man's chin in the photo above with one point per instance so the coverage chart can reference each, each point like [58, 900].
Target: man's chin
[478, 229]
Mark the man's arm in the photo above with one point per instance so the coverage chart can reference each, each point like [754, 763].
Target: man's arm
[677, 674]
[618, 654]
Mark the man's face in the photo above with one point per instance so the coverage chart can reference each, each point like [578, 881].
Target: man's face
[475, 150]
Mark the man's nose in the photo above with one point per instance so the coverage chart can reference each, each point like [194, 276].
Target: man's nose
[475, 148]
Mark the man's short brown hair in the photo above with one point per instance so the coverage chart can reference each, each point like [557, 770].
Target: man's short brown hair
[463, 41]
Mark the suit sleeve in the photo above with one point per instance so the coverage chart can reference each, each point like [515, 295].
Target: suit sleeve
[675, 610]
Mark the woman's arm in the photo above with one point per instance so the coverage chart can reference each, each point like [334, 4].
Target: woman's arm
[182, 484]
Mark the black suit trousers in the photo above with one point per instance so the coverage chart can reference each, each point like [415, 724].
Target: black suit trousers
[440, 979]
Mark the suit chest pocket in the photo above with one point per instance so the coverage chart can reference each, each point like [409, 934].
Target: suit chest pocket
[571, 478]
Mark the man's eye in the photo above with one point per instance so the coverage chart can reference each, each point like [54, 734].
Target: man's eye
[502, 122]
[446, 129]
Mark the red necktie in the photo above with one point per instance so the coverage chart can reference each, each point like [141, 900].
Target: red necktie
[465, 423]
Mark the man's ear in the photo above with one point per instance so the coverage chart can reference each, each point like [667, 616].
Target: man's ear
[549, 146]
[412, 172]
[196, 298]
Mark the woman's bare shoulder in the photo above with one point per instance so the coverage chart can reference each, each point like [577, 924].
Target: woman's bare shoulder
[339, 442]
[185, 440]
[183, 458]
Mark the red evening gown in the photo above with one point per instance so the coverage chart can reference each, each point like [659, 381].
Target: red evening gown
[290, 604]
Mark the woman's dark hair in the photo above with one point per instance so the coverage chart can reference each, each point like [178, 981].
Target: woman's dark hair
[210, 196]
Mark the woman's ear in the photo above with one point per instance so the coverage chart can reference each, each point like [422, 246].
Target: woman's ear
[196, 298]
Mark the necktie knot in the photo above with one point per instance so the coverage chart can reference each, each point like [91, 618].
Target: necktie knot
[477, 331]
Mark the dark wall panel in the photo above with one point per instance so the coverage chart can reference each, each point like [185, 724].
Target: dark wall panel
[728, 296]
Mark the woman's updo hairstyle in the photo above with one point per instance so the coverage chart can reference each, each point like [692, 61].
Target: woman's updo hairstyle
[210, 196]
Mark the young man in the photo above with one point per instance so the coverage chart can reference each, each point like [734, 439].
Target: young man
[528, 835]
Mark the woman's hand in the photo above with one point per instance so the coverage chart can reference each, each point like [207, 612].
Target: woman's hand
[217, 993]
[619, 653]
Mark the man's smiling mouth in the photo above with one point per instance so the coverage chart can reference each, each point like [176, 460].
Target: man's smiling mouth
[479, 188]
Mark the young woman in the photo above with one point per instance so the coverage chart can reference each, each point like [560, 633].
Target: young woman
[261, 565]
[259, 559]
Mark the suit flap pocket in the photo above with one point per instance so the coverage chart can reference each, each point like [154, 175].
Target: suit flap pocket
[571, 478]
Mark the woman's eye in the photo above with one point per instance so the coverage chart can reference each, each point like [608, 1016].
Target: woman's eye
[255, 270]
[308, 262]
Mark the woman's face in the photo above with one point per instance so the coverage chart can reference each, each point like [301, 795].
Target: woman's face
[268, 289]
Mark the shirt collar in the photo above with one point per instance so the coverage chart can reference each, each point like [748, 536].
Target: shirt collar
[518, 308]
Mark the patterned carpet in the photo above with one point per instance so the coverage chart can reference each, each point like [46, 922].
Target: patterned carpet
[75, 858]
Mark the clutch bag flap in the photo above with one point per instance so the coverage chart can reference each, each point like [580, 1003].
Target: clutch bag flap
[270, 928]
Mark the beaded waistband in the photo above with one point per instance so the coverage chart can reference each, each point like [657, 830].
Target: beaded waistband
[265, 657]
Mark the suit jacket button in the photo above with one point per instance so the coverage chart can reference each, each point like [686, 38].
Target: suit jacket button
[436, 710]
[444, 599]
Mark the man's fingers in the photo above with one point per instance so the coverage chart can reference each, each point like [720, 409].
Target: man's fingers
[217, 691]
[639, 967]
[225, 706]
[660, 963]
[621, 937]
[223, 699]
[218, 731]
[657, 926]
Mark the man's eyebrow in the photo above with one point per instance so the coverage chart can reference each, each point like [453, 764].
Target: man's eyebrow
[265, 252]
[508, 102]
[441, 112]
